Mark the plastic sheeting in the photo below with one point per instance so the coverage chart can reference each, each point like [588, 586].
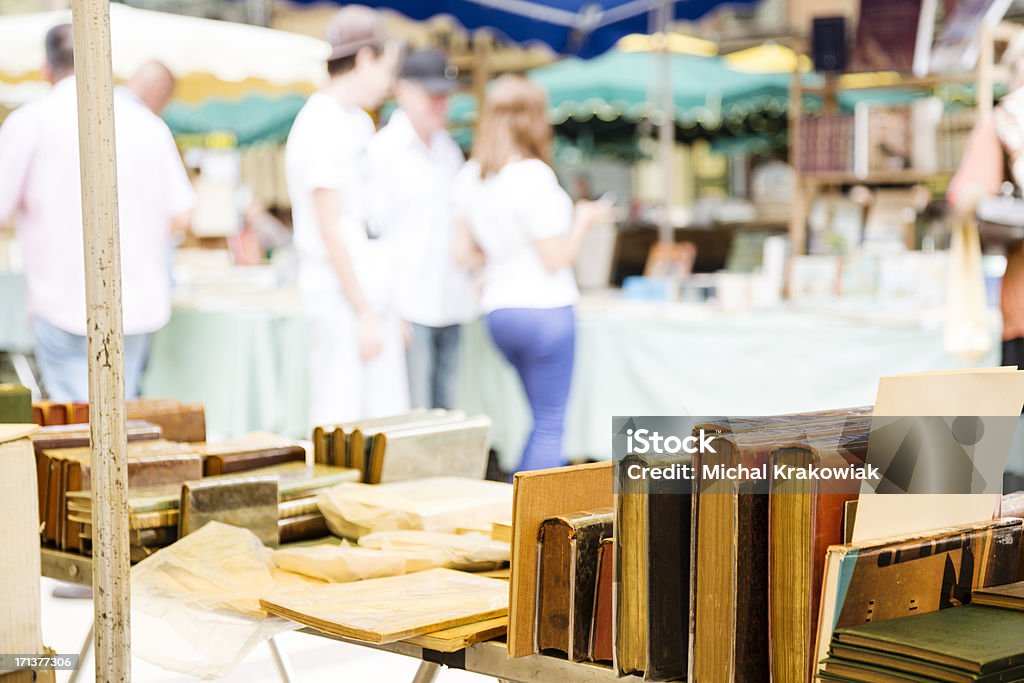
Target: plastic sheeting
[195, 604]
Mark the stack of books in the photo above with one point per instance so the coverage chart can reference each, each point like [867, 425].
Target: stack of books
[966, 643]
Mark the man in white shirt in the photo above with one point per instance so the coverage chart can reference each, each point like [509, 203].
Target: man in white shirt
[357, 364]
[413, 161]
[42, 187]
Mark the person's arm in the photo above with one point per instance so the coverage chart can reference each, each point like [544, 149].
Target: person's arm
[467, 252]
[327, 204]
[981, 171]
[560, 251]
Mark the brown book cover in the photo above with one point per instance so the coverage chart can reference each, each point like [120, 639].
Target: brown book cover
[302, 528]
[567, 576]
[885, 38]
[805, 518]
[885, 579]
[729, 577]
[179, 421]
[668, 585]
[249, 452]
[601, 640]
[1008, 596]
[322, 444]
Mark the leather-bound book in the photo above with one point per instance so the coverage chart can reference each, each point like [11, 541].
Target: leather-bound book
[668, 585]
[805, 518]
[149, 463]
[601, 640]
[729, 568]
[15, 404]
[1009, 596]
[72, 436]
[248, 503]
[567, 580]
[249, 452]
[179, 421]
[322, 444]
[886, 579]
[302, 528]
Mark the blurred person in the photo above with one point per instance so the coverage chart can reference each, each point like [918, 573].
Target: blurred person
[357, 361]
[413, 163]
[994, 155]
[153, 85]
[516, 222]
[42, 186]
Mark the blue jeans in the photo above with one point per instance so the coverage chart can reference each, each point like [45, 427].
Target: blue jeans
[540, 343]
[63, 362]
[432, 360]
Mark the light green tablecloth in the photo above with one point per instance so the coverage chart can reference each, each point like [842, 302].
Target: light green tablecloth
[15, 335]
[247, 366]
[648, 362]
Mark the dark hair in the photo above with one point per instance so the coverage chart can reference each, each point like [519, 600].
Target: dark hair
[60, 52]
[336, 67]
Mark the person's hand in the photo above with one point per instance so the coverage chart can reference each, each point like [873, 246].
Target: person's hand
[371, 336]
[591, 213]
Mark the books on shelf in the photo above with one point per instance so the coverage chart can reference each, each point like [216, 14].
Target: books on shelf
[882, 41]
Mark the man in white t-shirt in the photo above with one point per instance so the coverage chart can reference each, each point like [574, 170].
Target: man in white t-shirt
[40, 182]
[413, 163]
[357, 362]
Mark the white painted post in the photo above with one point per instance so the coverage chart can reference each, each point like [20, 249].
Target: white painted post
[94, 79]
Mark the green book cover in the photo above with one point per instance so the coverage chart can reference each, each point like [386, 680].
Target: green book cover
[15, 404]
[887, 661]
[969, 638]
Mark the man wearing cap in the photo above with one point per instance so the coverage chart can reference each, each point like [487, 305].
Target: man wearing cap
[357, 363]
[413, 162]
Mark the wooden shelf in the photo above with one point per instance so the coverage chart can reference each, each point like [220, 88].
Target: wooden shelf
[907, 177]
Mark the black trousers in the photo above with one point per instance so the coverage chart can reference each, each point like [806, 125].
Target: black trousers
[1013, 352]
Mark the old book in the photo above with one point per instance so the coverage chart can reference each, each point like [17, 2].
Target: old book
[861, 663]
[251, 504]
[352, 446]
[567, 579]
[601, 633]
[973, 639]
[456, 448]
[366, 447]
[539, 495]
[20, 630]
[302, 528]
[887, 579]
[322, 435]
[884, 40]
[501, 531]
[1009, 596]
[73, 436]
[729, 584]
[249, 452]
[394, 608]
[631, 559]
[805, 518]
[150, 463]
[179, 421]
[297, 507]
[15, 404]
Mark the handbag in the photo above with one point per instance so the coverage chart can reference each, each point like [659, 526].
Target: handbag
[1001, 222]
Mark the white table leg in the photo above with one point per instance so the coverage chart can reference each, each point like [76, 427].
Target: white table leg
[284, 665]
[427, 673]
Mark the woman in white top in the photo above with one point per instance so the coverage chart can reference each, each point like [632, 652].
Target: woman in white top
[516, 222]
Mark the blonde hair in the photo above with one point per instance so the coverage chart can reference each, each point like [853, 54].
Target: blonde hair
[513, 122]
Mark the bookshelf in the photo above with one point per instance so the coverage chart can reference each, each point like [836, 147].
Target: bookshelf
[812, 182]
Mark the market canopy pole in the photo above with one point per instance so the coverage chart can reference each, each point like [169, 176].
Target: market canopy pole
[666, 123]
[95, 86]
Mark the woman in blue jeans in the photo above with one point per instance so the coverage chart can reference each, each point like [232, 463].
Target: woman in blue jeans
[518, 224]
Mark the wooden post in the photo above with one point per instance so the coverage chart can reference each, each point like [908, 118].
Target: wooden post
[94, 79]
[799, 208]
[667, 124]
